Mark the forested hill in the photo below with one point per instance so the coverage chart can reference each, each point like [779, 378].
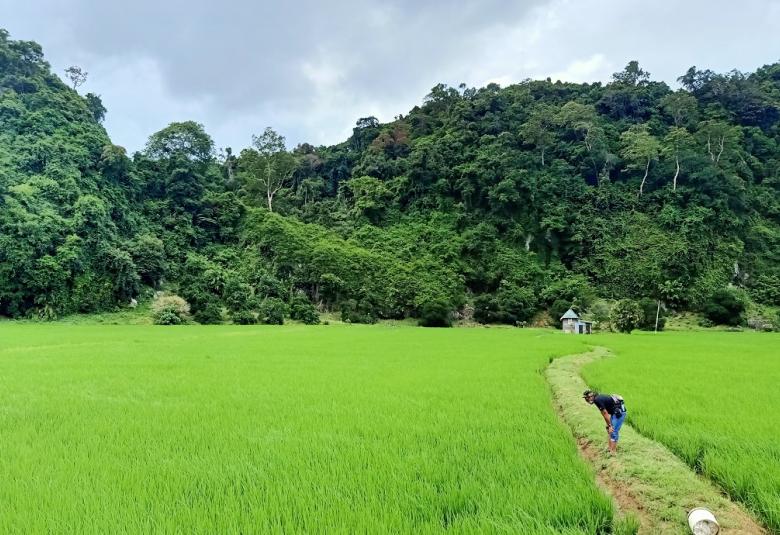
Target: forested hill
[505, 201]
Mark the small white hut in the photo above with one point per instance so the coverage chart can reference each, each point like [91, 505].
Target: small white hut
[572, 323]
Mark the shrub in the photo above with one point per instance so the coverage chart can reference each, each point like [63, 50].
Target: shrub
[167, 317]
[307, 315]
[209, 314]
[170, 310]
[600, 311]
[516, 303]
[706, 323]
[238, 295]
[435, 313]
[272, 311]
[301, 309]
[725, 307]
[198, 297]
[353, 311]
[243, 317]
[626, 315]
[510, 304]
[766, 289]
[485, 309]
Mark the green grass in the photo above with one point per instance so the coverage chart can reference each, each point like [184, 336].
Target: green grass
[712, 398]
[651, 484]
[197, 429]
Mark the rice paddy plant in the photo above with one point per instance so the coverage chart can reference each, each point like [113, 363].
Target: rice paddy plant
[198, 429]
[712, 398]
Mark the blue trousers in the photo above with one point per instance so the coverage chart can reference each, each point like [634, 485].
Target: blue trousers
[617, 423]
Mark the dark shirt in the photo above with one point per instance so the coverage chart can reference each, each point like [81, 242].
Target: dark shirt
[605, 402]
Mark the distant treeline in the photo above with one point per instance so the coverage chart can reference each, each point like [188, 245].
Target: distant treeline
[499, 203]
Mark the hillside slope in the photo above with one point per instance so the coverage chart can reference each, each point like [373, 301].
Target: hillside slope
[64, 206]
[505, 201]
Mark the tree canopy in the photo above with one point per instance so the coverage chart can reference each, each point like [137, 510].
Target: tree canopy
[506, 202]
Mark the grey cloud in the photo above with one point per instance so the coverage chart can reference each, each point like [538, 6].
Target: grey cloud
[242, 51]
[311, 68]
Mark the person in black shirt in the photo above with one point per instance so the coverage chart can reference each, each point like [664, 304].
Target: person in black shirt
[614, 412]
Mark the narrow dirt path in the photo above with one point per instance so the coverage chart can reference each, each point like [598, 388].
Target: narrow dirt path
[645, 479]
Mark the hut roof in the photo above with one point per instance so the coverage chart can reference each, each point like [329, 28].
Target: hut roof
[570, 315]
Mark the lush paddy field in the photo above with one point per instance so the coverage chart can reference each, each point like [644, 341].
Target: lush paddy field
[113, 429]
[712, 398]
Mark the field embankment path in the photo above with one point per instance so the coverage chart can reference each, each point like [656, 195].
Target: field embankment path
[645, 479]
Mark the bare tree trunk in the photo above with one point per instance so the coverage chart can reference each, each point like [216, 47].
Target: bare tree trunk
[657, 314]
[720, 152]
[721, 143]
[644, 178]
[676, 172]
[542, 156]
[229, 167]
[270, 197]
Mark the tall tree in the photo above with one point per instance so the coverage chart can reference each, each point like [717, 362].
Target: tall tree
[674, 143]
[538, 129]
[187, 140]
[693, 79]
[366, 129]
[640, 149]
[76, 75]
[680, 106]
[268, 166]
[720, 139]
[582, 119]
[633, 74]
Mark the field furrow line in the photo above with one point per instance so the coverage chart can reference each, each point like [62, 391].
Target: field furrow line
[645, 479]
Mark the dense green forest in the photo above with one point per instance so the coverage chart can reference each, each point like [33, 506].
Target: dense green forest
[497, 202]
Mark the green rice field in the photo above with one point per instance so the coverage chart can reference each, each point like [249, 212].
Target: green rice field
[712, 398]
[198, 429]
[355, 429]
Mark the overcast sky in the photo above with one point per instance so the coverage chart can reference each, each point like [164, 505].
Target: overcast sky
[311, 68]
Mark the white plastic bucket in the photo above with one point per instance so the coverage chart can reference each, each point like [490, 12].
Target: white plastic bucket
[702, 522]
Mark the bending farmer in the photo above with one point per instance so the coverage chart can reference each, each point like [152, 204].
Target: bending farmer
[614, 412]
